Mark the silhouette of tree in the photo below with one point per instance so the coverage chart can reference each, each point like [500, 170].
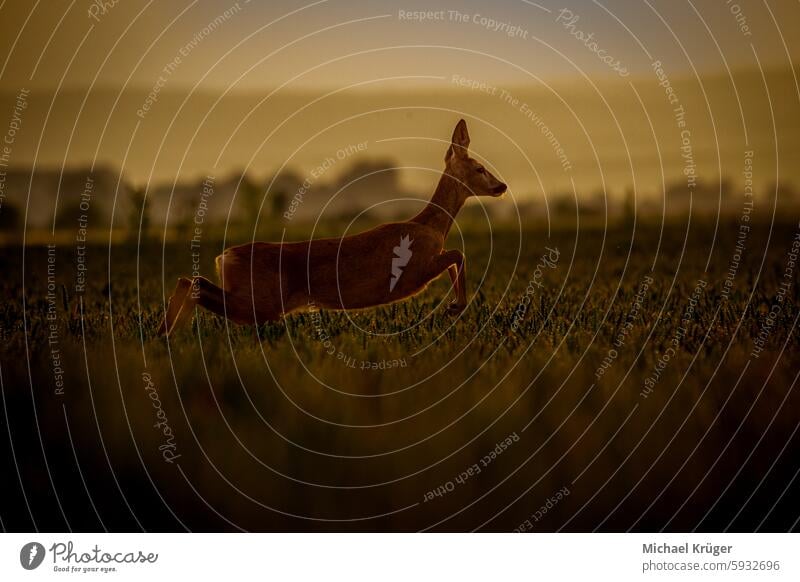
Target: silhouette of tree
[250, 195]
[138, 214]
[283, 187]
[629, 206]
[10, 217]
[563, 204]
[71, 212]
[785, 191]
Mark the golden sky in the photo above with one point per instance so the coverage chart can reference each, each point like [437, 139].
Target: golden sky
[259, 45]
[182, 88]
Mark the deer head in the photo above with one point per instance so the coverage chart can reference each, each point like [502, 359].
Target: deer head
[476, 179]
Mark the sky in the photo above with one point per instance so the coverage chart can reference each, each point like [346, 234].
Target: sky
[277, 82]
[330, 43]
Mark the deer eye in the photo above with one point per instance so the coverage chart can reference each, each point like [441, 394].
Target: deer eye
[481, 170]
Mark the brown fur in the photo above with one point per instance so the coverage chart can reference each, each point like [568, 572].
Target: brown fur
[263, 281]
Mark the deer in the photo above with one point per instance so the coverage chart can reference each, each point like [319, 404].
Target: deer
[264, 281]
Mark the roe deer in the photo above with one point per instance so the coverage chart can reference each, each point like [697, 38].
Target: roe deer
[263, 281]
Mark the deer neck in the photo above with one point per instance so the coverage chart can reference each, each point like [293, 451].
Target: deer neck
[441, 210]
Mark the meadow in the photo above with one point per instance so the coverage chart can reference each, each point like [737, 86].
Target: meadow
[601, 378]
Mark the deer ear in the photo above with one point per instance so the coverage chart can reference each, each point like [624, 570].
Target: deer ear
[460, 141]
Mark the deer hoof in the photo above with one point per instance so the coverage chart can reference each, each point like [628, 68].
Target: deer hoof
[455, 308]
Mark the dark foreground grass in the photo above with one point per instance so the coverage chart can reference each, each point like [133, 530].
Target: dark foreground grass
[627, 383]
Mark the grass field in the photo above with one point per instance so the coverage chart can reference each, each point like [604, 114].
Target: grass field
[612, 384]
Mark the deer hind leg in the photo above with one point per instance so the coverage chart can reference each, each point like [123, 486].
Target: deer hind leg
[200, 291]
[239, 308]
[175, 305]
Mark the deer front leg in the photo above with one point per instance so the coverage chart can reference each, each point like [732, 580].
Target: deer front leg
[455, 264]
